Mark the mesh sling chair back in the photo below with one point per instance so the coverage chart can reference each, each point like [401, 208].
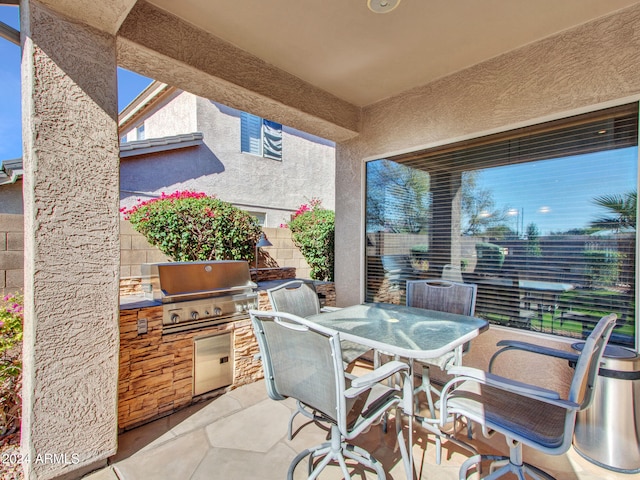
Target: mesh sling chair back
[297, 297]
[300, 298]
[443, 296]
[523, 413]
[302, 360]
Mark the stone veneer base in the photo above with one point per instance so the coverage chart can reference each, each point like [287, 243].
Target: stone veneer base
[156, 371]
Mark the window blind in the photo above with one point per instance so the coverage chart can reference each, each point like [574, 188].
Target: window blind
[542, 219]
[250, 134]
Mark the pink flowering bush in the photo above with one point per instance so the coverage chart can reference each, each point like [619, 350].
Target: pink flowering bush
[190, 226]
[313, 232]
[11, 318]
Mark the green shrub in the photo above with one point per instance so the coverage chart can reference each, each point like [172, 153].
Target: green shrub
[11, 315]
[313, 232]
[191, 226]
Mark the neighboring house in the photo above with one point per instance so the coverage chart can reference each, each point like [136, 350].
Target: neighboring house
[174, 140]
[11, 186]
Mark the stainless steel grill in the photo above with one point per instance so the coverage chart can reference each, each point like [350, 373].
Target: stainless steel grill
[200, 294]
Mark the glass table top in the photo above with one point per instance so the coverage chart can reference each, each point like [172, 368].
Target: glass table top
[405, 331]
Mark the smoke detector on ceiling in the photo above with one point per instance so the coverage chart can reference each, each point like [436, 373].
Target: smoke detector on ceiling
[382, 6]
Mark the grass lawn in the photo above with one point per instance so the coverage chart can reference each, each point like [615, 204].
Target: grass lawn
[576, 314]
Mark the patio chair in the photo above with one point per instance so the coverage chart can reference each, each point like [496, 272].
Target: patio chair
[525, 414]
[444, 296]
[300, 298]
[301, 360]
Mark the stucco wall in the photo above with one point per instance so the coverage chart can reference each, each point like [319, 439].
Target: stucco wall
[70, 345]
[174, 115]
[307, 168]
[582, 69]
[256, 184]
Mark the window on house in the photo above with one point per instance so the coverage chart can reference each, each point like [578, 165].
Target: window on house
[140, 132]
[260, 216]
[542, 219]
[260, 137]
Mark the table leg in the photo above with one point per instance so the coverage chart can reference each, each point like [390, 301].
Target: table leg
[410, 405]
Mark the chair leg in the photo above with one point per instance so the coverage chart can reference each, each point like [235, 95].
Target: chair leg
[335, 450]
[300, 409]
[502, 465]
[290, 429]
[468, 464]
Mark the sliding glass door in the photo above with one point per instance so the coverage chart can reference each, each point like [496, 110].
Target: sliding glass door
[542, 219]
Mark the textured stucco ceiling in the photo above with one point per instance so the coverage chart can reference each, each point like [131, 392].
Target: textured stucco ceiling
[341, 47]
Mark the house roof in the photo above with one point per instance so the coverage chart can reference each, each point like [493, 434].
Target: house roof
[162, 144]
[11, 170]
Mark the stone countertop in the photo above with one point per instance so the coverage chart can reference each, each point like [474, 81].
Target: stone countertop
[132, 302]
[267, 284]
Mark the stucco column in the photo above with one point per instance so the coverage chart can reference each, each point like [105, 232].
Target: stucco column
[445, 226]
[349, 239]
[69, 109]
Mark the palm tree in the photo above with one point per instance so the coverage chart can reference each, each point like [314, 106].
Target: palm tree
[622, 209]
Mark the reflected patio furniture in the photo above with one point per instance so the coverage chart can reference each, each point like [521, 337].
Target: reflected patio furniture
[525, 414]
[443, 296]
[517, 297]
[397, 269]
[452, 273]
[302, 360]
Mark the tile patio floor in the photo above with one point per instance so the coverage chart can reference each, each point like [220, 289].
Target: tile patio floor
[241, 435]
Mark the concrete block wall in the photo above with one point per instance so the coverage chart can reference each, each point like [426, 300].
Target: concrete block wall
[134, 251]
[11, 253]
[284, 252]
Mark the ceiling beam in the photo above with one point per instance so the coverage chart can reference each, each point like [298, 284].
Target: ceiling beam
[159, 45]
[9, 33]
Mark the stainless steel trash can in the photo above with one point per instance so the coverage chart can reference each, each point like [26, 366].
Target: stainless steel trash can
[608, 433]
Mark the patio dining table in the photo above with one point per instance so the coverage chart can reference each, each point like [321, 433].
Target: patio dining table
[408, 332]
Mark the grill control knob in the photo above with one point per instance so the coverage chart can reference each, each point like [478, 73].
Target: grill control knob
[175, 318]
[194, 315]
[217, 311]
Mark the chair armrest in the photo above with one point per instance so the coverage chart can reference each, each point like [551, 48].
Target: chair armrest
[505, 383]
[379, 374]
[531, 348]
[472, 375]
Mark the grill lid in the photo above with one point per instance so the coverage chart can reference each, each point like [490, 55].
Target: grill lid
[177, 281]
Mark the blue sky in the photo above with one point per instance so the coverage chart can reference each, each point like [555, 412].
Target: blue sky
[129, 86]
[557, 195]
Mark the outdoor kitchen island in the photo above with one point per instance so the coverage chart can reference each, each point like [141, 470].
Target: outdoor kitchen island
[168, 363]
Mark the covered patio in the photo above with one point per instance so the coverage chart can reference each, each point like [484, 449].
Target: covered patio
[212, 437]
[427, 74]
